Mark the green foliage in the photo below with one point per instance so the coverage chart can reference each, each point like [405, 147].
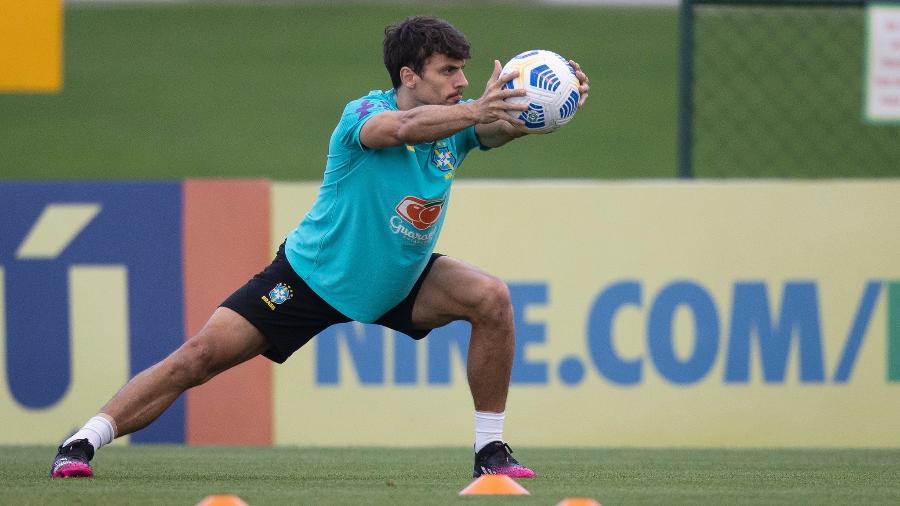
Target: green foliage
[779, 92]
[206, 90]
[140, 475]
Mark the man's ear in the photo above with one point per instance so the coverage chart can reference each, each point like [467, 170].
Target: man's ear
[408, 78]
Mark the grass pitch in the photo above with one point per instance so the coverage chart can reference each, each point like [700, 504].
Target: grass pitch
[174, 475]
[254, 89]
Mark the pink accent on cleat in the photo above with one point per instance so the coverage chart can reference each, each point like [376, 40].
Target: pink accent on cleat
[515, 472]
[72, 469]
[71, 460]
[496, 458]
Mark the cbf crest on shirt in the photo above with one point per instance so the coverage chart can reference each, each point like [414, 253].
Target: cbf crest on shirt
[443, 158]
[378, 215]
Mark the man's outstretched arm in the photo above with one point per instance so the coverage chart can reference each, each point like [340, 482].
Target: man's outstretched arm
[428, 123]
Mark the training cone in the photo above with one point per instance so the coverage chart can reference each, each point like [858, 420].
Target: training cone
[222, 500]
[494, 484]
[578, 501]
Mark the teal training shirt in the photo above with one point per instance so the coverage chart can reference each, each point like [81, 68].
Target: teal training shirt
[379, 212]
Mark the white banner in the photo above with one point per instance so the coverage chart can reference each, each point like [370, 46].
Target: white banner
[883, 64]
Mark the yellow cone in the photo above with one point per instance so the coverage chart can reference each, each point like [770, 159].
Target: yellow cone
[494, 484]
[578, 501]
[222, 500]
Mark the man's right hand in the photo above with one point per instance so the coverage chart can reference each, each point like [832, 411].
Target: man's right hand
[492, 105]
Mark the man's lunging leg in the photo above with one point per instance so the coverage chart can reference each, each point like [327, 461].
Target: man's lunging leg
[454, 291]
[492, 346]
[225, 341]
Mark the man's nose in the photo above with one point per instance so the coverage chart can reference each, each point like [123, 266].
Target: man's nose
[462, 81]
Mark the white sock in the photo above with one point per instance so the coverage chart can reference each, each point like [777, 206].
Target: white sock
[99, 430]
[488, 427]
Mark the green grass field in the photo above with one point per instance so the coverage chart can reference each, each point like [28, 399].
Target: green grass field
[181, 475]
[780, 91]
[241, 90]
[203, 90]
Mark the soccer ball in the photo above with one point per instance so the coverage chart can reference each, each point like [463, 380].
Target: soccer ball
[551, 90]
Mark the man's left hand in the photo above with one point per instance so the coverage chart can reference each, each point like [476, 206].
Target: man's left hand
[583, 80]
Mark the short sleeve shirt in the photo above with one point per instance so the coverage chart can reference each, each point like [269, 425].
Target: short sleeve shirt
[374, 224]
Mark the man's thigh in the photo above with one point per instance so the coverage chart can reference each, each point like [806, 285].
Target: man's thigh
[450, 292]
[228, 340]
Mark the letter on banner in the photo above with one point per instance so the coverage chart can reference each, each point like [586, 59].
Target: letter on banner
[99, 346]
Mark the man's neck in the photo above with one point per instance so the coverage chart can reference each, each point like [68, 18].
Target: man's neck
[405, 99]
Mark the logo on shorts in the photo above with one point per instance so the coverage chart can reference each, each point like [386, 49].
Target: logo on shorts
[420, 213]
[278, 295]
[281, 293]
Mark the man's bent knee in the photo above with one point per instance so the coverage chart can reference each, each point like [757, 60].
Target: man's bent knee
[495, 302]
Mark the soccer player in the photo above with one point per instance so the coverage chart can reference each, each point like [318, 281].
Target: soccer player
[364, 251]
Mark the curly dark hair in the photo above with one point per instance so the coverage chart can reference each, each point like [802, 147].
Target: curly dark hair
[410, 43]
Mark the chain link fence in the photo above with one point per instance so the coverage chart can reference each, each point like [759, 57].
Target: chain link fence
[776, 89]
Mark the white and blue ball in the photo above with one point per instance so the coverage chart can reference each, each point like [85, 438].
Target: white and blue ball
[551, 90]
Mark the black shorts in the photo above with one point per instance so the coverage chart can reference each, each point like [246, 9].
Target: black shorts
[288, 313]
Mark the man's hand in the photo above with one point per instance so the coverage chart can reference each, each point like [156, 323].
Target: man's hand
[492, 105]
[583, 86]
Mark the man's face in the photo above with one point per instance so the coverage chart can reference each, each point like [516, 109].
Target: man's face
[442, 81]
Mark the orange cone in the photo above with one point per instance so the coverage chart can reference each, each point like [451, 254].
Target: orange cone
[494, 484]
[222, 500]
[578, 501]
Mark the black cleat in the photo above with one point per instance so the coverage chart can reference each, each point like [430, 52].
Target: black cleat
[72, 460]
[496, 458]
